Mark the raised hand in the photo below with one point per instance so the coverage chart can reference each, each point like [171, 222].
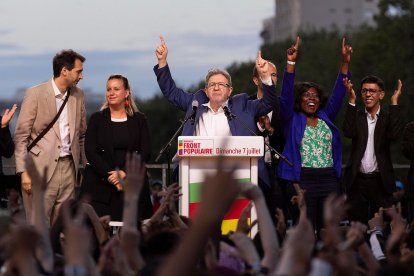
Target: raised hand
[135, 171]
[77, 236]
[20, 247]
[299, 199]
[350, 90]
[218, 192]
[293, 51]
[8, 115]
[113, 260]
[398, 226]
[346, 51]
[280, 222]
[161, 52]
[242, 224]
[245, 248]
[251, 191]
[354, 236]
[297, 249]
[262, 67]
[377, 221]
[397, 93]
[265, 123]
[334, 210]
[171, 196]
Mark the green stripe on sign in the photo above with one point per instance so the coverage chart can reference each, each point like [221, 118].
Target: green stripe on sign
[195, 190]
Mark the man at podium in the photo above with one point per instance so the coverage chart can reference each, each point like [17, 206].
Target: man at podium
[212, 110]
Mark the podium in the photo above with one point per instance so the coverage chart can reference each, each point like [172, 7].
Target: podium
[198, 157]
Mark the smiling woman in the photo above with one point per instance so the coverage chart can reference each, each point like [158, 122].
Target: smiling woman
[312, 140]
[113, 132]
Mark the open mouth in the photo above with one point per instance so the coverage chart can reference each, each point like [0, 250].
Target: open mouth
[311, 104]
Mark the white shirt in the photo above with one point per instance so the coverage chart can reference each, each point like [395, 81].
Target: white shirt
[369, 161]
[63, 121]
[213, 123]
[268, 152]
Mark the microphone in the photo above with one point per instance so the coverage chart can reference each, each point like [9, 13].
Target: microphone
[194, 104]
[228, 113]
[230, 116]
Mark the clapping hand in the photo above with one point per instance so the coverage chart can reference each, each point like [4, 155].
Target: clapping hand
[8, 115]
[349, 88]
[397, 93]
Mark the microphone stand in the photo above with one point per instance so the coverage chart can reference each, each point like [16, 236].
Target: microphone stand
[167, 150]
[231, 116]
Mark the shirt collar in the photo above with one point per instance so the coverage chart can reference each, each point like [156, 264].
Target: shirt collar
[56, 90]
[220, 110]
[369, 115]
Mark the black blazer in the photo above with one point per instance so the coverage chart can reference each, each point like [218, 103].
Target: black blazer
[6, 144]
[388, 128]
[408, 151]
[99, 151]
[277, 140]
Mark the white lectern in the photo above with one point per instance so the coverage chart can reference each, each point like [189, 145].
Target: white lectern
[198, 156]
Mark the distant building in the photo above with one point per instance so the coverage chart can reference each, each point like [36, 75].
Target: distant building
[293, 16]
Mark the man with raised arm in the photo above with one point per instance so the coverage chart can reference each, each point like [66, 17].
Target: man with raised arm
[269, 126]
[210, 119]
[369, 174]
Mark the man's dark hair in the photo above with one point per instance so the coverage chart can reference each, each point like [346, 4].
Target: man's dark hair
[373, 79]
[302, 87]
[65, 58]
[156, 183]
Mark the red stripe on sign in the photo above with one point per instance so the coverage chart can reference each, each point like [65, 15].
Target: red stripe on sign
[192, 210]
[236, 209]
[233, 213]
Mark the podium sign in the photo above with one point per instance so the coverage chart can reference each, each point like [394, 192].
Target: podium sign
[198, 157]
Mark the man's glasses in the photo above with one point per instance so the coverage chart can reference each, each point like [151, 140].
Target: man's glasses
[221, 85]
[369, 90]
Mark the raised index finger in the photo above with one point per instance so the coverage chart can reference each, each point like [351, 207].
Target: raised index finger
[259, 55]
[162, 40]
[297, 188]
[297, 43]
[399, 85]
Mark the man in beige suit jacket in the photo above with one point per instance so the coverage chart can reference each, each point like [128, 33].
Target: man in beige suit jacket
[62, 148]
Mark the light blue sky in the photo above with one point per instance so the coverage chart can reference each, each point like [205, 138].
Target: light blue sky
[120, 37]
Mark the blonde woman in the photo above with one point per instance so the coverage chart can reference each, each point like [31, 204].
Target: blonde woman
[113, 131]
